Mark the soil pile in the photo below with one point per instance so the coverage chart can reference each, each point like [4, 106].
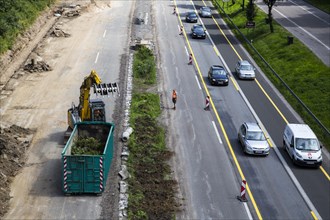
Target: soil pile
[14, 142]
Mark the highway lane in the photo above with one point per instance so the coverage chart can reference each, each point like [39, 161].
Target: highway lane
[309, 24]
[272, 203]
[205, 172]
[318, 191]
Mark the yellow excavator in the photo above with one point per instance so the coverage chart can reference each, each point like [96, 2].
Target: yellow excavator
[89, 109]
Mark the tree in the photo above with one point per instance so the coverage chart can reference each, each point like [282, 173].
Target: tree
[251, 10]
[270, 4]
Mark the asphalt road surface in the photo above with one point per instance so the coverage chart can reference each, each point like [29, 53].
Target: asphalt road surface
[273, 192]
[307, 23]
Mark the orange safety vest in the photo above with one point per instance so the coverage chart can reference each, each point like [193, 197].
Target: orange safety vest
[174, 95]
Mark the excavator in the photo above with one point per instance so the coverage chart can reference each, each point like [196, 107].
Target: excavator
[89, 109]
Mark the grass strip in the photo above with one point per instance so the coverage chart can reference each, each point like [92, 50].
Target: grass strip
[16, 16]
[302, 71]
[151, 190]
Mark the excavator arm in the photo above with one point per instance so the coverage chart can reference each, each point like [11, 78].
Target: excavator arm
[90, 110]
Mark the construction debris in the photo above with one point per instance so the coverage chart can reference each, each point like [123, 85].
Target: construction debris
[68, 11]
[57, 32]
[39, 66]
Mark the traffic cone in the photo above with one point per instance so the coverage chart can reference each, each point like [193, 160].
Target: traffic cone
[190, 59]
[242, 197]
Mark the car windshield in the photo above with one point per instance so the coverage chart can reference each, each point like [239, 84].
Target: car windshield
[198, 28]
[246, 67]
[255, 136]
[218, 72]
[206, 9]
[307, 144]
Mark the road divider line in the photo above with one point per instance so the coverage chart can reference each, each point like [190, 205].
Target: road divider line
[314, 216]
[216, 50]
[146, 19]
[217, 132]
[271, 101]
[199, 85]
[187, 52]
[262, 89]
[234, 83]
[97, 57]
[104, 33]
[219, 120]
[325, 173]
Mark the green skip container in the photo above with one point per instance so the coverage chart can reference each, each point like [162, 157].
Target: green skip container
[87, 173]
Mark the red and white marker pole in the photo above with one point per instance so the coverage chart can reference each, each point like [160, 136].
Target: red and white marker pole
[242, 197]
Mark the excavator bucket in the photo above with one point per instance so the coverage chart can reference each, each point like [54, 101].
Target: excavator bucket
[104, 89]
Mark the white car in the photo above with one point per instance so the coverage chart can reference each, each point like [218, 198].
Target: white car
[245, 70]
[302, 145]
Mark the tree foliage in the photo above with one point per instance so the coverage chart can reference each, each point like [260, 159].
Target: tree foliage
[251, 11]
[270, 4]
[16, 16]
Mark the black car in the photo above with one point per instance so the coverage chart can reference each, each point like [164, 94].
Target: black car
[218, 75]
[197, 31]
[191, 17]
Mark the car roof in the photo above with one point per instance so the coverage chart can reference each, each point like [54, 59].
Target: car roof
[245, 62]
[197, 25]
[252, 126]
[217, 67]
[302, 131]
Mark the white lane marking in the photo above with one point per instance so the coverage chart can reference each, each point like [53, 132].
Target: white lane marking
[217, 132]
[311, 35]
[179, 27]
[146, 19]
[97, 57]
[247, 211]
[186, 50]
[310, 12]
[199, 85]
[105, 31]
[279, 155]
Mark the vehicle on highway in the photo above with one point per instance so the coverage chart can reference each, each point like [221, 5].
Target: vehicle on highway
[253, 139]
[302, 145]
[191, 17]
[205, 12]
[217, 75]
[197, 31]
[245, 70]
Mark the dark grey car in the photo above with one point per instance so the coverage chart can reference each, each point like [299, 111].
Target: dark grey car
[217, 75]
[191, 17]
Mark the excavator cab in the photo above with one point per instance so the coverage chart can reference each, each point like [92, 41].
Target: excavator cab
[97, 110]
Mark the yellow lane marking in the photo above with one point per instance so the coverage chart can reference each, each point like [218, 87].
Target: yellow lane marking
[325, 172]
[216, 50]
[314, 216]
[271, 101]
[220, 123]
[234, 83]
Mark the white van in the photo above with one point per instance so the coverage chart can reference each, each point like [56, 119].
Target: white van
[302, 145]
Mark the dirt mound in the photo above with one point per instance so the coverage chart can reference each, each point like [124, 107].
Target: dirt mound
[14, 142]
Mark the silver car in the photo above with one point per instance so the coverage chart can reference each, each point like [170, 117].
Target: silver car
[205, 12]
[245, 70]
[253, 139]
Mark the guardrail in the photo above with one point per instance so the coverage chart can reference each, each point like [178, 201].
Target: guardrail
[275, 74]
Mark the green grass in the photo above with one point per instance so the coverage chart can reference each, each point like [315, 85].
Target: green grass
[16, 16]
[324, 5]
[301, 70]
[151, 192]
